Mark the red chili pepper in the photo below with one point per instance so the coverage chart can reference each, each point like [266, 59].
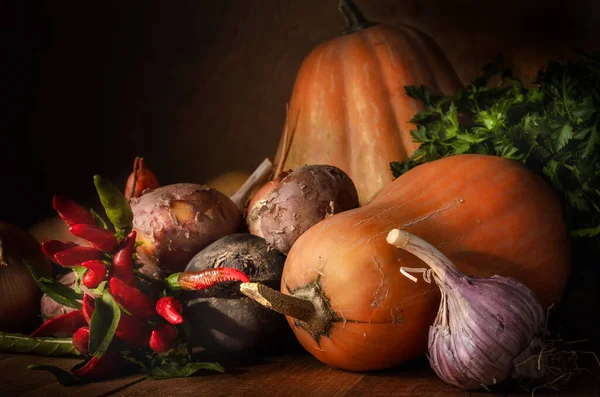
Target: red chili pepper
[95, 274]
[132, 299]
[81, 340]
[133, 331]
[100, 367]
[169, 308]
[162, 337]
[88, 306]
[51, 247]
[207, 278]
[122, 266]
[99, 237]
[77, 255]
[72, 212]
[62, 326]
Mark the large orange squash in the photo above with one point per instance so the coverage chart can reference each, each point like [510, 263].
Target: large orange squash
[348, 106]
[489, 215]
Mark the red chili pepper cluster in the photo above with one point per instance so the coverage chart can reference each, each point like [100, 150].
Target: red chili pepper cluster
[144, 321]
[107, 259]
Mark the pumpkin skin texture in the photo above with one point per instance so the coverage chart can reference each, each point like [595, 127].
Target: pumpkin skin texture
[348, 105]
[488, 214]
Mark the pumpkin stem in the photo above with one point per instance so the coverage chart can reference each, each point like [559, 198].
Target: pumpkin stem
[355, 19]
[311, 310]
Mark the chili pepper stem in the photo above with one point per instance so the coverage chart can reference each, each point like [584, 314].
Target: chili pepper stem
[172, 282]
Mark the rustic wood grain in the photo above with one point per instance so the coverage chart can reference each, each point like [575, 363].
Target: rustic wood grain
[17, 380]
[296, 375]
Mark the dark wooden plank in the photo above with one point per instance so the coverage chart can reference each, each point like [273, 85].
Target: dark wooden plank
[292, 375]
[300, 375]
[17, 380]
[303, 375]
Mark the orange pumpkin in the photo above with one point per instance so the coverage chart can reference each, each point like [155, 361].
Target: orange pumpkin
[488, 214]
[348, 106]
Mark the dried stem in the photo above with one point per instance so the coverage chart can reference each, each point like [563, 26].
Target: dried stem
[260, 176]
[286, 143]
[443, 269]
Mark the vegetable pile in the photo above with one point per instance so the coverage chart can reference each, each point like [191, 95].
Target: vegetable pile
[123, 321]
[496, 184]
[342, 291]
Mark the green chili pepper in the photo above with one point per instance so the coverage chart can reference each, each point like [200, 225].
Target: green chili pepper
[115, 204]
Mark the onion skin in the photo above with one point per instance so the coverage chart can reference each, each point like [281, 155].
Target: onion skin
[50, 308]
[140, 180]
[19, 303]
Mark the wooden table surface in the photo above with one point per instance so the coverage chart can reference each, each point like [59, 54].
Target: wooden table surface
[292, 375]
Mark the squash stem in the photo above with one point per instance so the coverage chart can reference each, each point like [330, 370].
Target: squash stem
[355, 19]
[311, 311]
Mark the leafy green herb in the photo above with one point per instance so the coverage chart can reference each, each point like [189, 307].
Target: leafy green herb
[54, 289]
[103, 324]
[41, 346]
[552, 128]
[63, 377]
[177, 364]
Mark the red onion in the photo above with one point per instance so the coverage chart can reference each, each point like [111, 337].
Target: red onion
[19, 302]
[49, 308]
[485, 327]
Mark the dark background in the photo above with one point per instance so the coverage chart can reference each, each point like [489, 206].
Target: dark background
[199, 88]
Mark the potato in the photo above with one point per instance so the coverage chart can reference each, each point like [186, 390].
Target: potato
[54, 228]
[229, 182]
[226, 324]
[174, 222]
[295, 201]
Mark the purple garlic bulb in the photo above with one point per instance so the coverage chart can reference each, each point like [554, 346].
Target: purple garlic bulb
[483, 325]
